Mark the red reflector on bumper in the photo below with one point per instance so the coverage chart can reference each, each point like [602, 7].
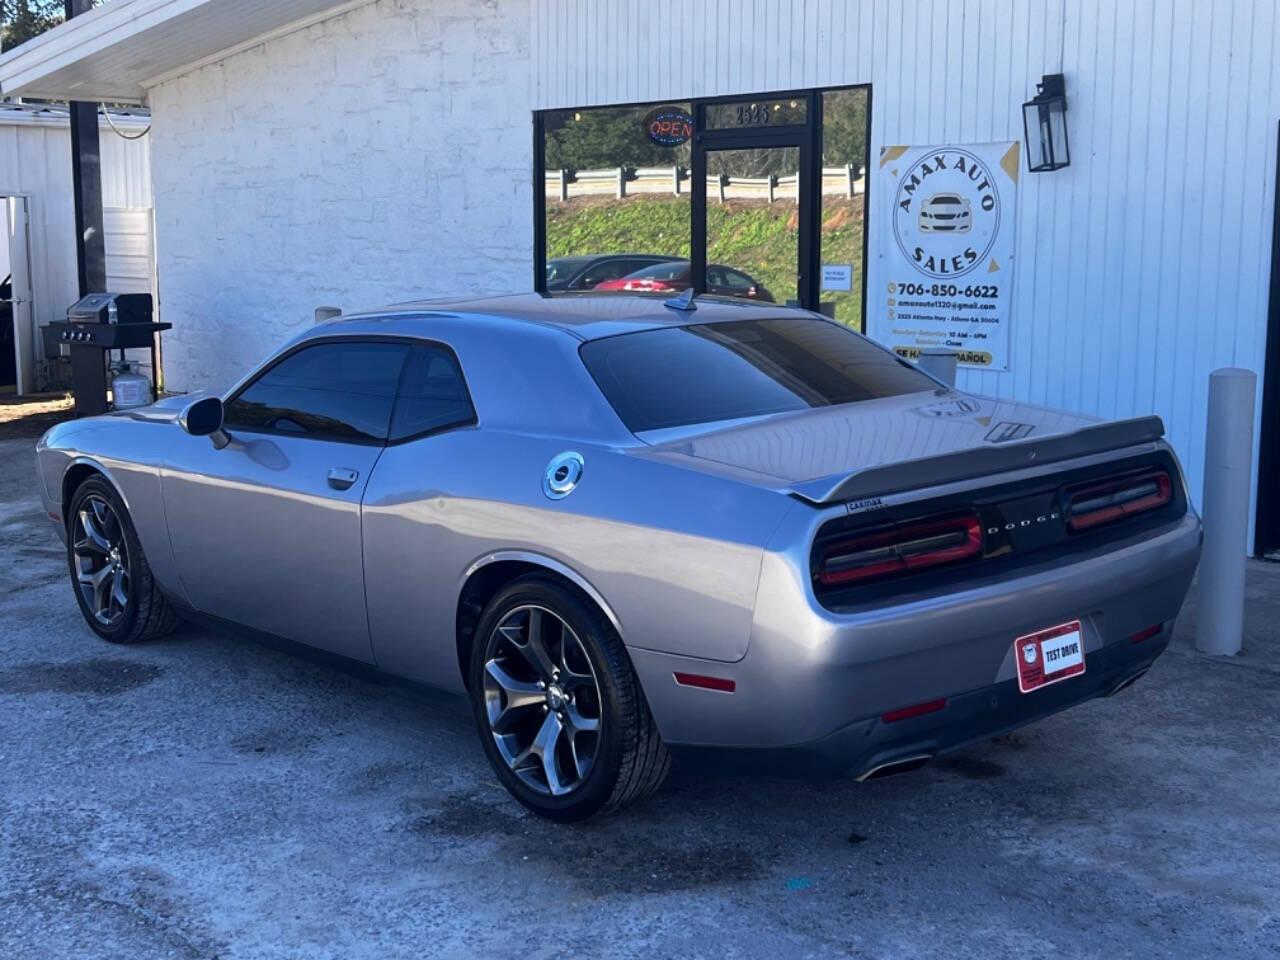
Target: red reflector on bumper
[919, 710]
[1146, 634]
[706, 683]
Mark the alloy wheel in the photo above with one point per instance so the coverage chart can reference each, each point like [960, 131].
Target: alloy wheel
[542, 700]
[101, 560]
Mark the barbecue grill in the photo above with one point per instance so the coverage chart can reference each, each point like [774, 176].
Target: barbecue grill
[96, 324]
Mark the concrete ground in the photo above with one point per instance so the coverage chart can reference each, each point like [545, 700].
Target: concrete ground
[209, 797]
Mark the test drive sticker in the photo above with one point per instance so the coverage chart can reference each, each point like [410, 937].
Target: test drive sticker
[1048, 656]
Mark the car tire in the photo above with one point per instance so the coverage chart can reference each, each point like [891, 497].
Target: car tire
[628, 760]
[114, 548]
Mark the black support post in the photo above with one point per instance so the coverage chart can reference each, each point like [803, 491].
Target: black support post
[86, 182]
[1266, 530]
[698, 202]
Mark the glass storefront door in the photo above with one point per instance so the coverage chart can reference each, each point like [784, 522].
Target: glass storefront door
[754, 194]
[753, 223]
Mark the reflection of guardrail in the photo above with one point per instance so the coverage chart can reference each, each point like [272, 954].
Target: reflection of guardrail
[848, 180]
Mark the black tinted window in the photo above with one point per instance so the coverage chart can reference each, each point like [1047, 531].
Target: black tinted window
[744, 368]
[606, 270]
[335, 391]
[432, 394]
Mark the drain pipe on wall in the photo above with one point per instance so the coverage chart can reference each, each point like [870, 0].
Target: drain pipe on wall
[1228, 467]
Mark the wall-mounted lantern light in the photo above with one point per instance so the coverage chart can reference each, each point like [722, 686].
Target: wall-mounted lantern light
[1044, 124]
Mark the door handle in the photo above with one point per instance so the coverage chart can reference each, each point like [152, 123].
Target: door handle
[340, 478]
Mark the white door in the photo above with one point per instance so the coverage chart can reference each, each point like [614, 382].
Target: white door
[16, 239]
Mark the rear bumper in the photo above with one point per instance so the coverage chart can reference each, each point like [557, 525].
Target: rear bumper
[862, 747]
[817, 682]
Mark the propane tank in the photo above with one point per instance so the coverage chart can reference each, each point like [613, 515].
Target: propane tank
[129, 388]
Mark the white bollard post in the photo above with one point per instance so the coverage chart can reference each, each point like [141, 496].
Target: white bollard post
[675, 180]
[939, 362]
[622, 182]
[1228, 468]
[564, 184]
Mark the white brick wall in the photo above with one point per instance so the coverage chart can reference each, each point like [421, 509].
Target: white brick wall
[379, 156]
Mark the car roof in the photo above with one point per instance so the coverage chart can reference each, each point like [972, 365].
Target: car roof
[586, 257]
[585, 317]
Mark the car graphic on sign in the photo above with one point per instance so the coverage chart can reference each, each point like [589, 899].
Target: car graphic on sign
[945, 213]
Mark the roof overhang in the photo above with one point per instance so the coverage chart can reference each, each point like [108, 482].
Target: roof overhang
[116, 52]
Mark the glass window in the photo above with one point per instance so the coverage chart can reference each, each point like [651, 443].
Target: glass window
[616, 196]
[737, 281]
[705, 373]
[335, 391]
[670, 270]
[609, 268]
[753, 222]
[844, 193]
[755, 113]
[433, 394]
[562, 270]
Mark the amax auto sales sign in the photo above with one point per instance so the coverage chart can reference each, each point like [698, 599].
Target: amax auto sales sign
[945, 232]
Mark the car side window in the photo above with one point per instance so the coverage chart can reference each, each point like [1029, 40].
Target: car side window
[341, 390]
[739, 281]
[433, 394]
[605, 270]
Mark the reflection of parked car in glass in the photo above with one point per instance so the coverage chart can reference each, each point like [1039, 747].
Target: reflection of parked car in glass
[585, 272]
[945, 213]
[674, 277]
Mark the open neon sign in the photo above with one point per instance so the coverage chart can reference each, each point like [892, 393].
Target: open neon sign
[669, 126]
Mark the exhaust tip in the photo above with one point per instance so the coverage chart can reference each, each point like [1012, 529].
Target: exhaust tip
[891, 768]
[1129, 682]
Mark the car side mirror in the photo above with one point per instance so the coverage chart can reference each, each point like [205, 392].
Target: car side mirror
[203, 418]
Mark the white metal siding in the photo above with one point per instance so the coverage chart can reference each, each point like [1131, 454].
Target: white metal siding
[1140, 268]
[127, 236]
[35, 160]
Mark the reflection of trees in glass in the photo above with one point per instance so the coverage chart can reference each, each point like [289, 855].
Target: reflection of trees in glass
[783, 161]
[603, 137]
[608, 137]
[844, 127]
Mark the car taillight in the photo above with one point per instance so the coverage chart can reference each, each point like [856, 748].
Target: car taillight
[1098, 503]
[899, 549]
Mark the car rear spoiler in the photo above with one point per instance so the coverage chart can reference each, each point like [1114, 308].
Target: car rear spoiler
[979, 462]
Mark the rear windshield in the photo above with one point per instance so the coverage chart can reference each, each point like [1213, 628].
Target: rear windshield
[707, 372]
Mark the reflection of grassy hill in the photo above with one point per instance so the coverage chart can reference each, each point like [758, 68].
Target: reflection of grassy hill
[753, 235]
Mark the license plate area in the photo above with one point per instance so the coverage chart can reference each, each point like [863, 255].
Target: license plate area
[1049, 655]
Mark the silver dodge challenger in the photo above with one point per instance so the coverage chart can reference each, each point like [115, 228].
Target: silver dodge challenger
[629, 529]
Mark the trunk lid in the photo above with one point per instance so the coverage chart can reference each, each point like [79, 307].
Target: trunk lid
[883, 446]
